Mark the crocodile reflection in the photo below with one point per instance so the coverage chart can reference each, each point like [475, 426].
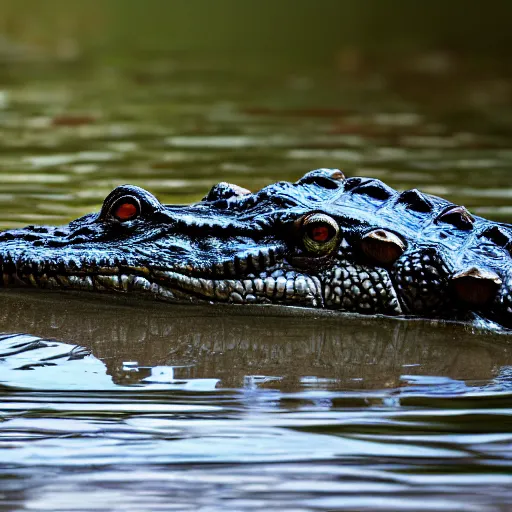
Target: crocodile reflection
[320, 351]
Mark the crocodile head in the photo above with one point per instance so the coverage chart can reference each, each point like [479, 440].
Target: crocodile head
[326, 241]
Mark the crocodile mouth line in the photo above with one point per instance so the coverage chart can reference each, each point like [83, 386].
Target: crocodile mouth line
[237, 267]
[176, 286]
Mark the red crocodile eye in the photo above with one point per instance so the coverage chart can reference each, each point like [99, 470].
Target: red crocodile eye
[321, 233]
[126, 211]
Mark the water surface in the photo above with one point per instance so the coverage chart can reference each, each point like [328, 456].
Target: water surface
[119, 406]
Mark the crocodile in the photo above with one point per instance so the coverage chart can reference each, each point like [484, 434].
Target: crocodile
[326, 241]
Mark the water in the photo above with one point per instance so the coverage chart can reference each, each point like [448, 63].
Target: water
[122, 406]
[238, 413]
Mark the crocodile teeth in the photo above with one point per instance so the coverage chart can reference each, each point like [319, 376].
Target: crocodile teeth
[476, 286]
[270, 284]
[140, 283]
[110, 282]
[125, 282]
[280, 286]
[165, 293]
[236, 297]
[259, 285]
[207, 287]
[301, 287]
[221, 290]
[81, 283]
[382, 246]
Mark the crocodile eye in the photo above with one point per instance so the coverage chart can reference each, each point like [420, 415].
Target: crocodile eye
[128, 202]
[320, 233]
[125, 208]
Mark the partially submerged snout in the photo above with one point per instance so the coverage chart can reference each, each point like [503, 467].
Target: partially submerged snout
[325, 241]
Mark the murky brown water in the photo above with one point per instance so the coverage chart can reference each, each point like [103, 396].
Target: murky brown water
[223, 409]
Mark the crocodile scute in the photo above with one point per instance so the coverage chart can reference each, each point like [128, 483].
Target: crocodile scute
[326, 241]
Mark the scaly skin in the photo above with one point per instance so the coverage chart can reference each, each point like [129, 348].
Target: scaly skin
[326, 241]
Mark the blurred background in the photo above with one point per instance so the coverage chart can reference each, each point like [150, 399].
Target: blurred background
[177, 95]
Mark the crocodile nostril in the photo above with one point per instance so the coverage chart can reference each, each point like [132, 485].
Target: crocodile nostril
[323, 177]
[382, 246]
[457, 216]
[375, 190]
[351, 183]
[225, 190]
[498, 236]
[29, 237]
[415, 200]
[337, 175]
[476, 286]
